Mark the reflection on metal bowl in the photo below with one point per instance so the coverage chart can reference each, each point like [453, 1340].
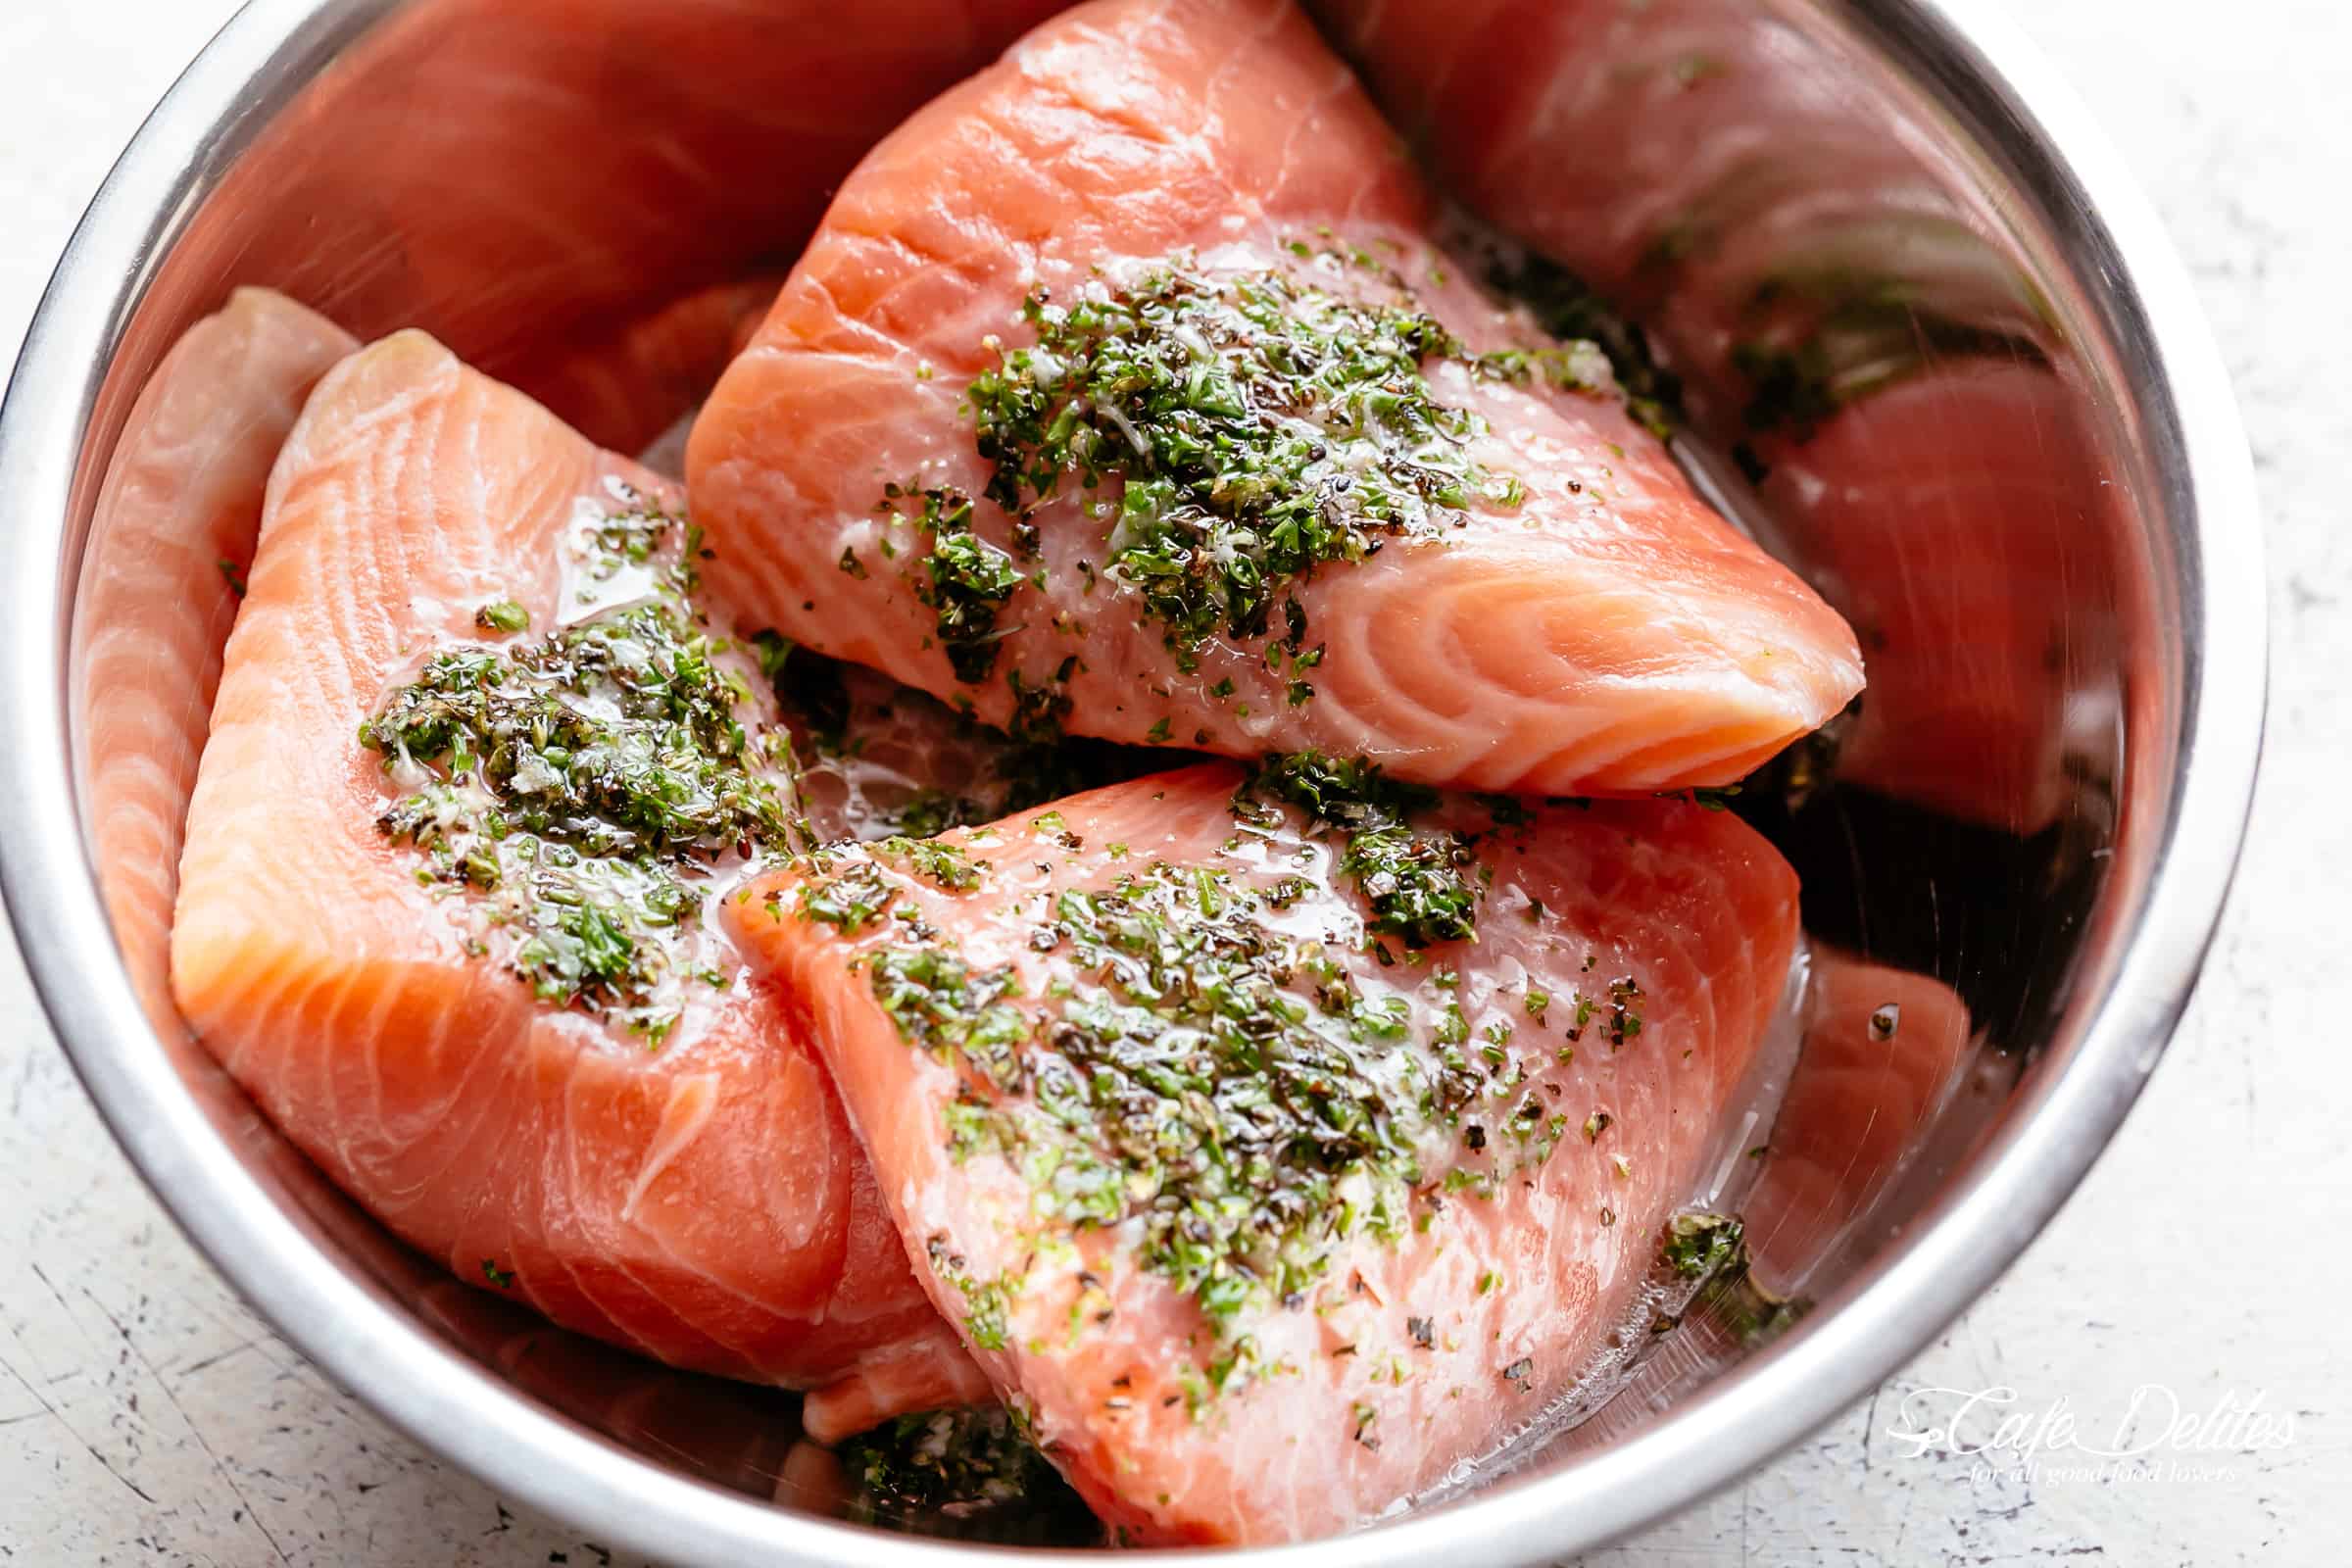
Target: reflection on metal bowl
[1925, 345]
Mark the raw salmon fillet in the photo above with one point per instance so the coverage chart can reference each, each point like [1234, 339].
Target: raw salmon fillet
[702, 1201]
[1262, 1229]
[1580, 623]
[172, 532]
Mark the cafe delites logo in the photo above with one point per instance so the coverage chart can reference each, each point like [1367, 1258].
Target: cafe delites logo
[2155, 1435]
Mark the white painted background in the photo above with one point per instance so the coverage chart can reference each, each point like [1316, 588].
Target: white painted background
[146, 1416]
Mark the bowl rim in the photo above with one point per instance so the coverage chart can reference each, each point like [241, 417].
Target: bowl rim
[455, 1407]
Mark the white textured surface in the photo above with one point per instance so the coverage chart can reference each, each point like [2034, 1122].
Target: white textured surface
[145, 1415]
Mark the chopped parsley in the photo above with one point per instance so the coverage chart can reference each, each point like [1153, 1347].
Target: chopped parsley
[849, 901]
[1414, 882]
[505, 615]
[966, 580]
[944, 865]
[581, 782]
[1415, 879]
[1347, 793]
[929, 812]
[1242, 1081]
[934, 999]
[1567, 308]
[1261, 425]
[616, 735]
[1181, 1081]
[1624, 1019]
[955, 1468]
[987, 1303]
[1698, 1243]
[1712, 1250]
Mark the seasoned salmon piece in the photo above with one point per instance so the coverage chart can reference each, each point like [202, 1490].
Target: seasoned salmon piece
[171, 533]
[456, 1000]
[1274, 1163]
[1123, 390]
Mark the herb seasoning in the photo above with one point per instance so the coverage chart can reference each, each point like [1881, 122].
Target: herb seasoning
[946, 1471]
[1414, 878]
[1698, 1243]
[1181, 1079]
[582, 783]
[1261, 426]
[966, 580]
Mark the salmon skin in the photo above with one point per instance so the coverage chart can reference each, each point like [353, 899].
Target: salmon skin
[171, 535]
[1274, 1163]
[1123, 390]
[693, 1192]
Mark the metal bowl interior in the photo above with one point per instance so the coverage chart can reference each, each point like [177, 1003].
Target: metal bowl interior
[2037, 818]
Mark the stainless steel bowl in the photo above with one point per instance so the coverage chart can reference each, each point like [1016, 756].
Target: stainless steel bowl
[467, 164]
